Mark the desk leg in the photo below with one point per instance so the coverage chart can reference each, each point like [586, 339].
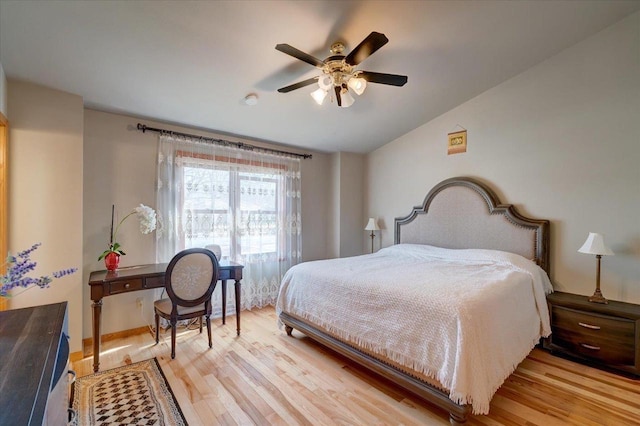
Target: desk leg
[238, 303]
[224, 301]
[97, 313]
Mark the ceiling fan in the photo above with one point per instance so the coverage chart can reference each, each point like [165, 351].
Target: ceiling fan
[339, 72]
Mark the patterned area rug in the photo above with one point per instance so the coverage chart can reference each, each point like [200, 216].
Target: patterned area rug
[136, 394]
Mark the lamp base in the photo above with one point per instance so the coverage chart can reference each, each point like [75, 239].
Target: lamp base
[598, 297]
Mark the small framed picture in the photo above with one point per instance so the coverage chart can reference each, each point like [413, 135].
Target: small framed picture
[457, 142]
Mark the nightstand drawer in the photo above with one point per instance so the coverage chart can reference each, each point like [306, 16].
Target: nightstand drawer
[601, 337]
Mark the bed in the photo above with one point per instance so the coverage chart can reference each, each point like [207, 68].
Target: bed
[447, 312]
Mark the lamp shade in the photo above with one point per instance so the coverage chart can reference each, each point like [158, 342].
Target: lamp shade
[347, 99]
[595, 245]
[372, 225]
[357, 84]
[216, 249]
[325, 82]
[318, 95]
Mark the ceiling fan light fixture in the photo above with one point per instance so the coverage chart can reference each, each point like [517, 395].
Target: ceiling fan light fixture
[347, 99]
[339, 73]
[357, 84]
[318, 95]
[325, 82]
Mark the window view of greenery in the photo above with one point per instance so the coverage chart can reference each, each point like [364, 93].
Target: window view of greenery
[235, 209]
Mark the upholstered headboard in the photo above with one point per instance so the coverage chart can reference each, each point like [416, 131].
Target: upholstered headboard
[464, 213]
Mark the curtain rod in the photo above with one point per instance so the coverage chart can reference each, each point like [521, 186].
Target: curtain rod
[143, 128]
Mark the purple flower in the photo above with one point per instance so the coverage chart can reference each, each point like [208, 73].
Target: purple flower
[63, 272]
[19, 266]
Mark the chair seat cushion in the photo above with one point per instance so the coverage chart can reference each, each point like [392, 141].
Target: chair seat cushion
[165, 306]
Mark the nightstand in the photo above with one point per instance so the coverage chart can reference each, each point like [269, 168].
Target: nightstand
[601, 335]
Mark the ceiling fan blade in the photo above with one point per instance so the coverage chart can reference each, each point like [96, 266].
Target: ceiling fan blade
[298, 85]
[366, 48]
[390, 79]
[338, 97]
[299, 54]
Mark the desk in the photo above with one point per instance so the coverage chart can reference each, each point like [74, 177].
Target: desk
[143, 277]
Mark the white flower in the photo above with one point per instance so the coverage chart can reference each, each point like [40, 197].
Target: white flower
[147, 218]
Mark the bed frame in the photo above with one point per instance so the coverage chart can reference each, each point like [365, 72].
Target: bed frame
[457, 213]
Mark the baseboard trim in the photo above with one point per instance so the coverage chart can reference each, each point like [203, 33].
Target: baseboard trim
[87, 344]
[76, 356]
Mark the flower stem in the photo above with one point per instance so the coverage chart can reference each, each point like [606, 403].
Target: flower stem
[113, 236]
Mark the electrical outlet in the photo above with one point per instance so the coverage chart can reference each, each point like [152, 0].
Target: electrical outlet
[139, 303]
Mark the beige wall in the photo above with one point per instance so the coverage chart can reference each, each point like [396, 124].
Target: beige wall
[3, 92]
[352, 220]
[561, 141]
[120, 169]
[333, 224]
[45, 192]
[316, 192]
[345, 226]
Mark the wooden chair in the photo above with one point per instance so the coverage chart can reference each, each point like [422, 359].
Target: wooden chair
[190, 280]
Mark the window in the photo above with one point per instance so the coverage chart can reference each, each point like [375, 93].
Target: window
[247, 202]
[232, 208]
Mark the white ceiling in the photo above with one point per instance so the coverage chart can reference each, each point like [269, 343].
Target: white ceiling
[192, 63]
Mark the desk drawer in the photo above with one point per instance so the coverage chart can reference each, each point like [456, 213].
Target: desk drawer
[154, 282]
[124, 286]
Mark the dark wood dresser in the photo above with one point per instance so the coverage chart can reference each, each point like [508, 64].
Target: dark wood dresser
[34, 357]
[602, 335]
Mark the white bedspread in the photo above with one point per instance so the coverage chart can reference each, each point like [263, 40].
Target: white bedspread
[464, 317]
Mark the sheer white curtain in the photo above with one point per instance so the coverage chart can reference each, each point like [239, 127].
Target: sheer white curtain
[248, 202]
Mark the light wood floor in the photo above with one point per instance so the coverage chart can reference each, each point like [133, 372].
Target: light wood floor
[265, 377]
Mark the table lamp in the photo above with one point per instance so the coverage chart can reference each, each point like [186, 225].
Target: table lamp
[595, 245]
[372, 225]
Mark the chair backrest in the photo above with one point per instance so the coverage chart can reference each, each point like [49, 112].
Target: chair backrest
[191, 276]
